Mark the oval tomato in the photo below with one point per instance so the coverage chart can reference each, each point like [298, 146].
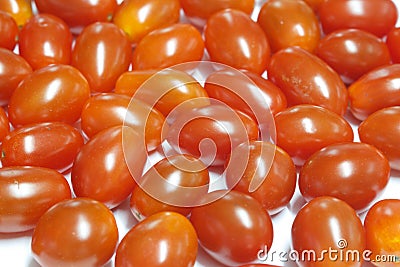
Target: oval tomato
[375, 16]
[169, 236]
[53, 93]
[339, 171]
[393, 41]
[20, 10]
[233, 38]
[289, 23]
[45, 40]
[102, 52]
[86, 234]
[8, 31]
[304, 129]
[306, 79]
[26, 194]
[51, 144]
[4, 124]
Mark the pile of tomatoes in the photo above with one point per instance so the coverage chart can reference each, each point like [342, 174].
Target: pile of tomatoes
[203, 118]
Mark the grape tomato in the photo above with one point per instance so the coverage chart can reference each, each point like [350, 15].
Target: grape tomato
[8, 31]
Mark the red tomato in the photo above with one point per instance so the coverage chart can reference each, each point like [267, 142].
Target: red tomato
[393, 41]
[328, 224]
[379, 88]
[8, 31]
[375, 16]
[382, 232]
[86, 234]
[139, 17]
[339, 171]
[270, 174]
[234, 39]
[233, 228]
[110, 179]
[163, 239]
[129, 82]
[314, 4]
[304, 129]
[382, 130]
[172, 184]
[50, 144]
[20, 10]
[289, 23]
[352, 53]
[102, 52]
[13, 69]
[26, 194]
[44, 40]
[4, 124]
[79, 13]
[53, 93]
[306, 79]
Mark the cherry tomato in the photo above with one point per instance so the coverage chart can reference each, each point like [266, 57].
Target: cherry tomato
[129, 82]
[289, 23]
[44, 40]
[235, 217]
[375, 16]
[26, 194]
[13, 69]
[233, 38]
[379, 88]
[20, 10]
[382, 232]
[102, 52]
[8, 31]
[328, 224]
[304, 129]
[79, 13]
[139, 17]
[393, 41]
[86, 234]
[53, 93]
[165, 239]
[382, 130]
[50, 144]
[306, 79]
[4, 124]
[110, 179]
[314, 4]
[172, 184]
[270, 168]
[339, 171]
[352, 53]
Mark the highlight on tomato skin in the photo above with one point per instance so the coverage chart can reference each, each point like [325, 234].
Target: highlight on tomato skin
[20, 10]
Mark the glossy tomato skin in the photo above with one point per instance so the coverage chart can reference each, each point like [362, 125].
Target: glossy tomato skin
[327, 223]
[13, 69]
[53, 93]
[45, 39]
[130, 81]
[232, 38]
[86, 234]
[306, 79]
[226, 214]
[26, 194]
[20, 10]
[339, 171]
[51, 144]
[102, 52]
[382, 227]
[110, 181]
[304, 129]
[393, 41]
[8, 31]
[375, 16]
[375, 90]
[381, 129]
[289, 23]
[352, 53]
[4, 124]
[164, 230]
[269, 166]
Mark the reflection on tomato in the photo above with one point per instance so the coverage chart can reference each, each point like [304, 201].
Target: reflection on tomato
[232, 229]
[26, 194]
[4, 124]
[328, 223]
[234, 39]
[393, 41]
[163, 239]
[52, 93]
[20, 10]
[289, 23]
[75, 232]
[8, 31]
[375, 16]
